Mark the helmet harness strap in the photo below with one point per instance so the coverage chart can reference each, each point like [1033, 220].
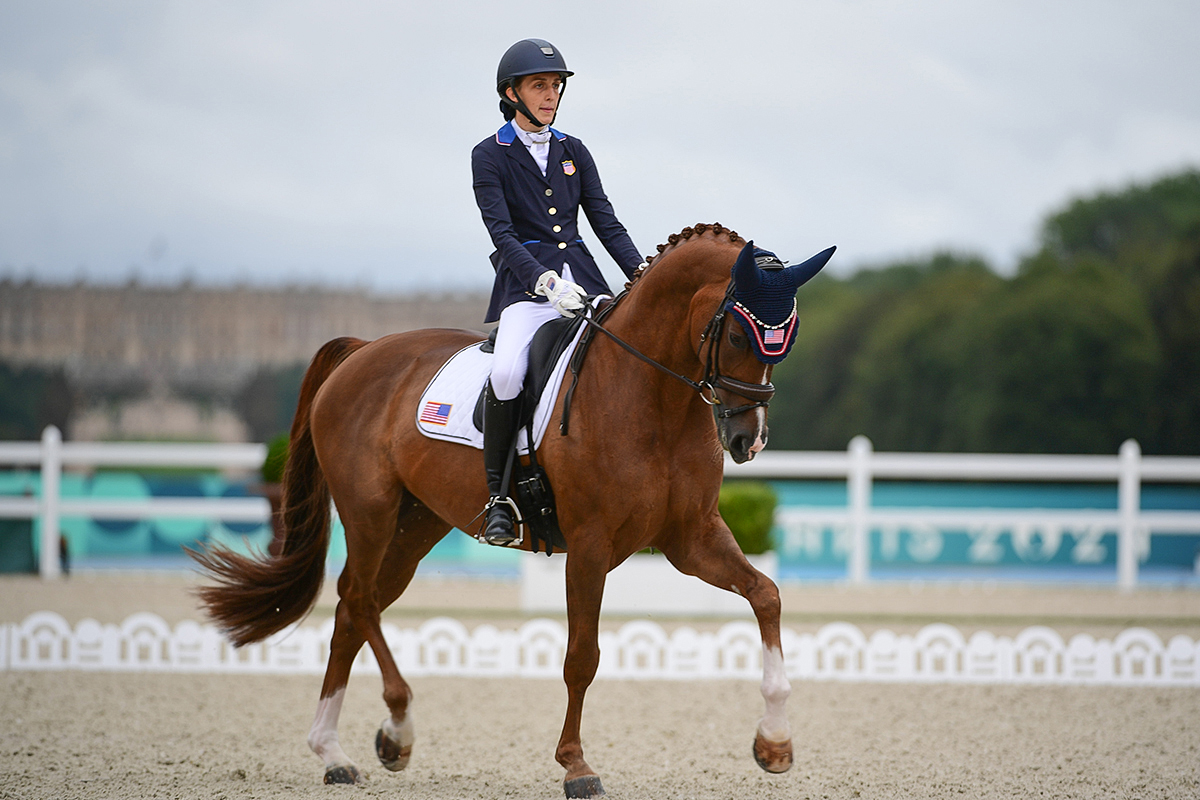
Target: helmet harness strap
[520, 104]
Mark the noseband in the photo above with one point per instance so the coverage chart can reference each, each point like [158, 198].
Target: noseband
[759, 394]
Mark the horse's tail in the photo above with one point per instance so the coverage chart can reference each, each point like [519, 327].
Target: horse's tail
[253, 597]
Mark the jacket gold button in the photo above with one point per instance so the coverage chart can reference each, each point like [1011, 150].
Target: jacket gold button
[553, 210]
[549, 192]
[562, 245]
[557, 228]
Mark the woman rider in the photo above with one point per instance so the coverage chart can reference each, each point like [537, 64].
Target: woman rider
[530, 182]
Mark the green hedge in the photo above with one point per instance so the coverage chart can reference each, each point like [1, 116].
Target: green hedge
[273, 464]
[748, 508]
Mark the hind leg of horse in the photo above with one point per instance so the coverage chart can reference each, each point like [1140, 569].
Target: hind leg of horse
[585, 588]
[416, 531]
[716, 559]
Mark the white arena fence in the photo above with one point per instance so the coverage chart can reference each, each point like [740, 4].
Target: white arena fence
[859, 466]
[638, 650]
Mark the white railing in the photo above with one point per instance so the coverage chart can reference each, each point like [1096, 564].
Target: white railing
[859, 466]
[640, 649]
[52, 454]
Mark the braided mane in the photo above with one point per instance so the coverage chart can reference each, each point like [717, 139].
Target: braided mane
[700, 228]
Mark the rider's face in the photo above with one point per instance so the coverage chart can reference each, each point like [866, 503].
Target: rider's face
[541, 93]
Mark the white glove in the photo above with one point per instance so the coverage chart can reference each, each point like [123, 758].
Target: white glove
[566, 296]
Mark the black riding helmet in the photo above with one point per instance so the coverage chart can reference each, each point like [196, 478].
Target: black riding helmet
[527, 57]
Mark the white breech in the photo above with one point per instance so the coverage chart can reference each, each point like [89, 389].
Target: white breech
[518, 323]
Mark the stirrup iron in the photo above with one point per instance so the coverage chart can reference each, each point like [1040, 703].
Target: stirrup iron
[518, 522]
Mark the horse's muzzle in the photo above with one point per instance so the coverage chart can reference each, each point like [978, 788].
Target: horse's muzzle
[741, 444]
[740, 448]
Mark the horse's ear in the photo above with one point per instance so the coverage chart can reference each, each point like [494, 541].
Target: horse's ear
[800, 274]
[745, 271]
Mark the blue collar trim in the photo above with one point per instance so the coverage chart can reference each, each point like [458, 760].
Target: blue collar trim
[506, 135]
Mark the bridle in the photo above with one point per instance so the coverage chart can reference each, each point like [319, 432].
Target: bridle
[759, 394]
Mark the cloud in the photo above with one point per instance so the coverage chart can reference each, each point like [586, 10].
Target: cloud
[318, 141]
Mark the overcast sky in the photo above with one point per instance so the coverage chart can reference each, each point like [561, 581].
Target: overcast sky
[288, 141]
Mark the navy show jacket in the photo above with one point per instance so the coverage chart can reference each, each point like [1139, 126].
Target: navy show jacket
[533, 218]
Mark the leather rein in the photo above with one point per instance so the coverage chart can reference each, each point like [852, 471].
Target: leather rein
[759, 394]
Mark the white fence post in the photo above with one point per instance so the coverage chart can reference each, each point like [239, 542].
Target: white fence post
[858, 487]
[48, 562]
[1129, 503]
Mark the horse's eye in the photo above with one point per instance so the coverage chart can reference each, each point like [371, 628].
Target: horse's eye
[737, 340]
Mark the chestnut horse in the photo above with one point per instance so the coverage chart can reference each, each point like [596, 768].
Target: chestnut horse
[641, 467]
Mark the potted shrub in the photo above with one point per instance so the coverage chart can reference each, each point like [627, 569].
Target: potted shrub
[748, 508]
[646, 583]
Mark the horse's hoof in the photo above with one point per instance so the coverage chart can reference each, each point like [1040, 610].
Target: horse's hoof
[584, 787]
[773, 756]
[392, 754]
[348, 774]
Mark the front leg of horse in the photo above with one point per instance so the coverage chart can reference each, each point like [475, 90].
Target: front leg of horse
[725, 567]
[585, 588]
[773, 740]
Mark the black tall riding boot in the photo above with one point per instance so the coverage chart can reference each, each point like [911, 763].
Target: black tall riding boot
[499, 430]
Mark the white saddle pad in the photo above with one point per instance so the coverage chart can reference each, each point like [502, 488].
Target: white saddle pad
[447, 407]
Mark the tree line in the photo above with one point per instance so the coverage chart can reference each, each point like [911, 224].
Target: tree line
[1094, 339]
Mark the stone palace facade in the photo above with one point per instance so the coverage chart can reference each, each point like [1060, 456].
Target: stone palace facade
[188, 339]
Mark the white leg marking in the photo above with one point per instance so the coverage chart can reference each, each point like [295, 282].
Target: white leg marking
[323, 736]
[402, 733]
[775, 690]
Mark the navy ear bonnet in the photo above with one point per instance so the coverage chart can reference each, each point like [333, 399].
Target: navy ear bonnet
[764, 298]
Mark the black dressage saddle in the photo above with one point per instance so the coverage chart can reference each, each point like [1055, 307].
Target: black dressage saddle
[530, 485]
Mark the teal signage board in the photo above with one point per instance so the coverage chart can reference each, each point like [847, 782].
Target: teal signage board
[1042, 534]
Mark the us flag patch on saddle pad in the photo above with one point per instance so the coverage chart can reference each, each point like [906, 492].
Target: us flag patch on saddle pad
[436, 413]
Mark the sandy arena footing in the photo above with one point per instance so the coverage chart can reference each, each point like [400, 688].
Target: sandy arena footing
[86, 735]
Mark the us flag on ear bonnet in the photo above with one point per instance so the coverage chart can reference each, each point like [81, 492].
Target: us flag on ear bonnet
[764, 298]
